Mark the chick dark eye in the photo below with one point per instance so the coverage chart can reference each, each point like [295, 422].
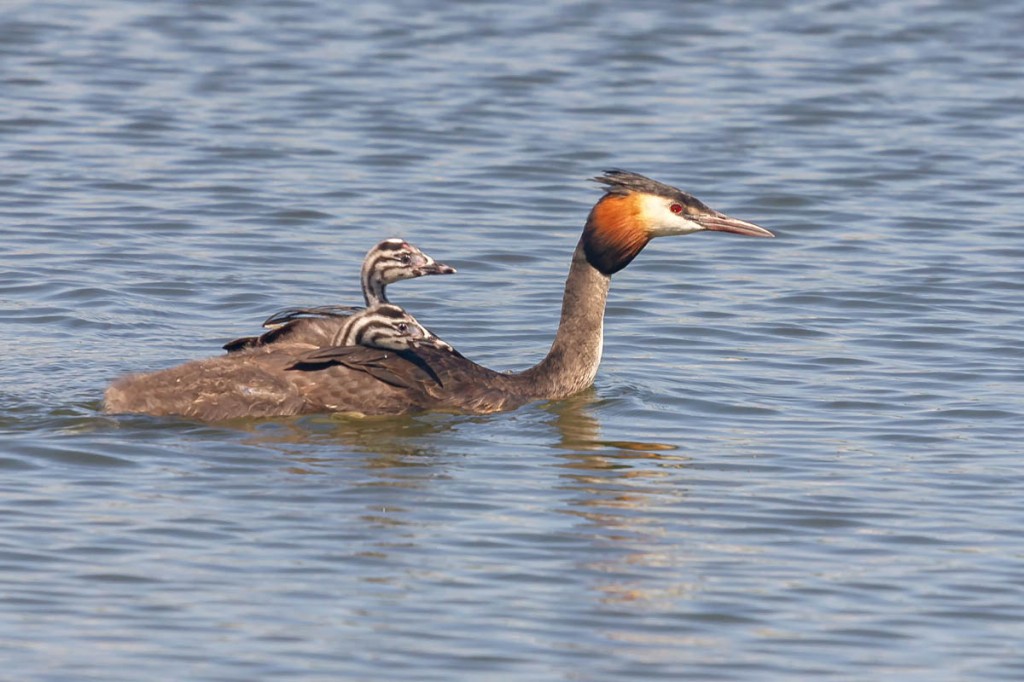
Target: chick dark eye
[676, 208]
[403, 327]
[405, 259]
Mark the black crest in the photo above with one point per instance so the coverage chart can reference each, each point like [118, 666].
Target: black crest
[621, 183]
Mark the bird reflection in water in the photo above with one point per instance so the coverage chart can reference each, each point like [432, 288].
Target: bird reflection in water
[622, 492]
[628, 498]
[394, 442]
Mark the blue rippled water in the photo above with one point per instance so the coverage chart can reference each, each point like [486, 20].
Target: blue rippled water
[801, 458]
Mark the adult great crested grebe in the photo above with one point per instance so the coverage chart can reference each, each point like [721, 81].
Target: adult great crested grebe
[390, 261]
[633, 210]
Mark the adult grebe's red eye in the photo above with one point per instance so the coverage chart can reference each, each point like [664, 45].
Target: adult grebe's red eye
[676, 208]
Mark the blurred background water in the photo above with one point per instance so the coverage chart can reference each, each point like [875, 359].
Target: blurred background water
[801, 458]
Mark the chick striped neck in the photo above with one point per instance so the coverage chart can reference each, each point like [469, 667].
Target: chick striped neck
[380, 268]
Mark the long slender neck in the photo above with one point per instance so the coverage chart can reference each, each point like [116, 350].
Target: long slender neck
[373, 287]
[571, 364]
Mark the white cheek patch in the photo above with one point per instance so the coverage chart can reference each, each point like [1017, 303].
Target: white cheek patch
[661, 221]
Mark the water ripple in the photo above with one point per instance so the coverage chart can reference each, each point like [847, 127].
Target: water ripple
[800, 458]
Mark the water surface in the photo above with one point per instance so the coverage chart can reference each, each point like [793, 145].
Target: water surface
[801, 458]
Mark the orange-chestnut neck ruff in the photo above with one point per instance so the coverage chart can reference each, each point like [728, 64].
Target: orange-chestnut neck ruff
[616, 231]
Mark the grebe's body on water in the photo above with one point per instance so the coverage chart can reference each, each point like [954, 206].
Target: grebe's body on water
[365, 380]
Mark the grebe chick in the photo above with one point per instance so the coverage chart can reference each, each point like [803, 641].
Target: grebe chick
[388, 262]
[392, 261]
[385, 326]
[633, 211]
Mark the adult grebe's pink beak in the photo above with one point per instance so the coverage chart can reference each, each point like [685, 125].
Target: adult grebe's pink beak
[719, 222]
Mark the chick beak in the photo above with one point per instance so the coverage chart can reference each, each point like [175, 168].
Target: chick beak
[434, 268]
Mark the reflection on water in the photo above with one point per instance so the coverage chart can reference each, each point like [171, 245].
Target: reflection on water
[579, 429]
[398, 439]
[404, 440]
[619, 490]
